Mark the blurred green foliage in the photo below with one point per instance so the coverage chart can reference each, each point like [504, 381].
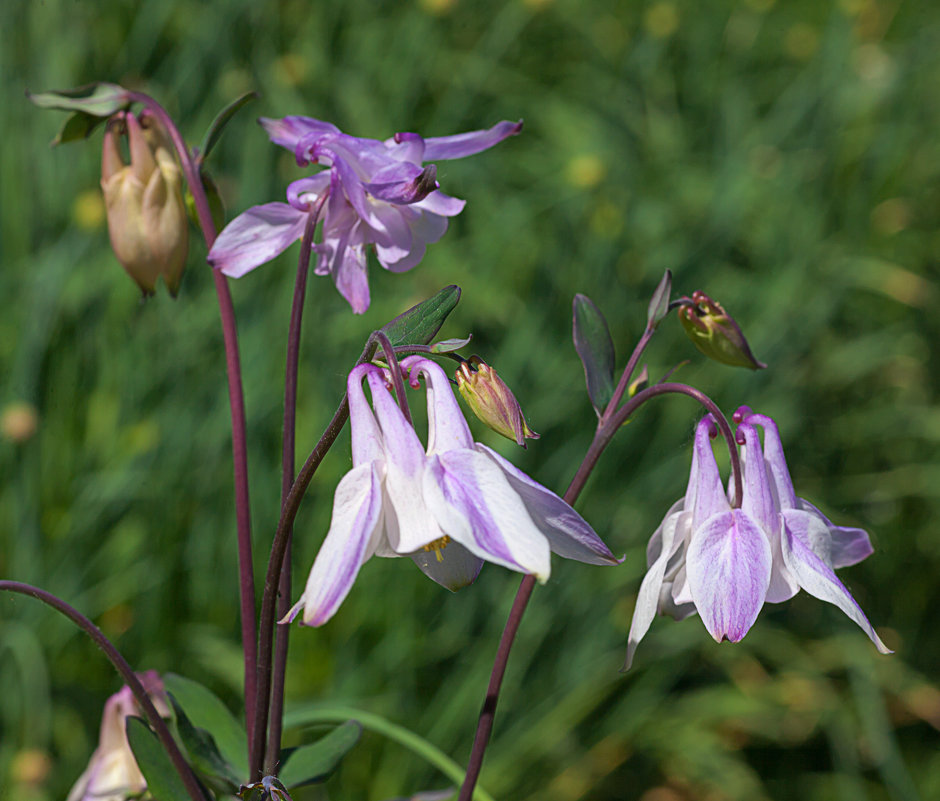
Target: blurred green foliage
[782, 157]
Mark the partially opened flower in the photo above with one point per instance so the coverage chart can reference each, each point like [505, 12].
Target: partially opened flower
[449, 507]
[724, 562]
[373, 194]
[112, 774]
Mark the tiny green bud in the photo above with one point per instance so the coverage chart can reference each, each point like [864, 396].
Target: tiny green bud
[144, 200]
[715, 333]
[492, 401]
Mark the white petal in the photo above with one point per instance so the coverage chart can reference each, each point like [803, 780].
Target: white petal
[647, 599]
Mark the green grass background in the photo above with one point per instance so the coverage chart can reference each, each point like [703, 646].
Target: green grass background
[782, 157]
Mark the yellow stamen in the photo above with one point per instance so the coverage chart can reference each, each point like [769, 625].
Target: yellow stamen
[437, 546]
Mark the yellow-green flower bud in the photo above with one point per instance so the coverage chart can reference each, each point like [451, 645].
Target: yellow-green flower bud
[715, 332]
[492, 401]
[144, 199]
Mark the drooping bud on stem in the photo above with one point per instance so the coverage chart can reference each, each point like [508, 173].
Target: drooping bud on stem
[715, 333]
[144, 200]
[492, 401]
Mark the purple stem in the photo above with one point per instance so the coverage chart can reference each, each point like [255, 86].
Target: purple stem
[392, 359]
[607, 427]
[246, 579]
[272, 755]
[130, 679]
[628, 371]
[276, 561]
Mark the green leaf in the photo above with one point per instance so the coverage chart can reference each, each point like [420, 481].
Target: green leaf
[97, 99]
[420, 323]
[204, 753]
[222, 119]
[206, 711]
[450, 345]
[659, 303]
[314, 762]
[595, 347]
[216, 206]
[77, 125]
[163, 782]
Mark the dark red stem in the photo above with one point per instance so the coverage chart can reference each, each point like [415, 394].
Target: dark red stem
[246, 579]
[130, 679]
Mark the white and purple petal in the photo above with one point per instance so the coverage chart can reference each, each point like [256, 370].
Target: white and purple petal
[474, 504]
[569, 535]
[354, 532]
[806, 544]
[728, 566]
[466, 144]
[451, 565]
[256, 236]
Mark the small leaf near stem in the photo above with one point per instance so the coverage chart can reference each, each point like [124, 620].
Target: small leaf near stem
[659, 303]
[217, 126]
[595, 347]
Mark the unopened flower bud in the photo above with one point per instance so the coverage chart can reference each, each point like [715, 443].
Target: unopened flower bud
[492, 401]
[715, 332]
[144, 199]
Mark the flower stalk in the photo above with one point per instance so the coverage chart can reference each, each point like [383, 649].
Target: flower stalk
[246, 581]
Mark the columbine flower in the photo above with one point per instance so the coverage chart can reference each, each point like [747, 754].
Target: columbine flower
[146, 215]
[726, 562]
[448, 508]
[374, 193]
[112, 774]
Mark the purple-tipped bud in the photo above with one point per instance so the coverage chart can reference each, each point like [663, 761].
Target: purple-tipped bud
[144, 200]
[715, 333]
[492, 401]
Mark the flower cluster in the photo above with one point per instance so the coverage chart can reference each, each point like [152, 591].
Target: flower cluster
[725, 560]
[449, 507]
[374, 193]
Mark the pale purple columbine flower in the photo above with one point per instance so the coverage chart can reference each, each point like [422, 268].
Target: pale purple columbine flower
[449, 507]
[112, 773]
[374, 193]
[725, 562]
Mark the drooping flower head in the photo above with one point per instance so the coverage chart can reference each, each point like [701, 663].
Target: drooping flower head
[373, 193]
[725, 562]
[146, 216]
[449, 506]
[112, 773]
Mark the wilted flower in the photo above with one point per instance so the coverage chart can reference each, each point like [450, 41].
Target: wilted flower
[112, 774]
[726, 562]
[715, 333]
[146, 216]
[448, 508]
[374, 193]
[492, 401]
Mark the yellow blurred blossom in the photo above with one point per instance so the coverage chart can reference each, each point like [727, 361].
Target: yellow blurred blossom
[19, 421]
[661, 19]
[585, 171]
[801, 41]
[88, 210]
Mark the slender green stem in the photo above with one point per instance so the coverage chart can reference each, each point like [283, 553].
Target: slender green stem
[126, 672]
[246, 580]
